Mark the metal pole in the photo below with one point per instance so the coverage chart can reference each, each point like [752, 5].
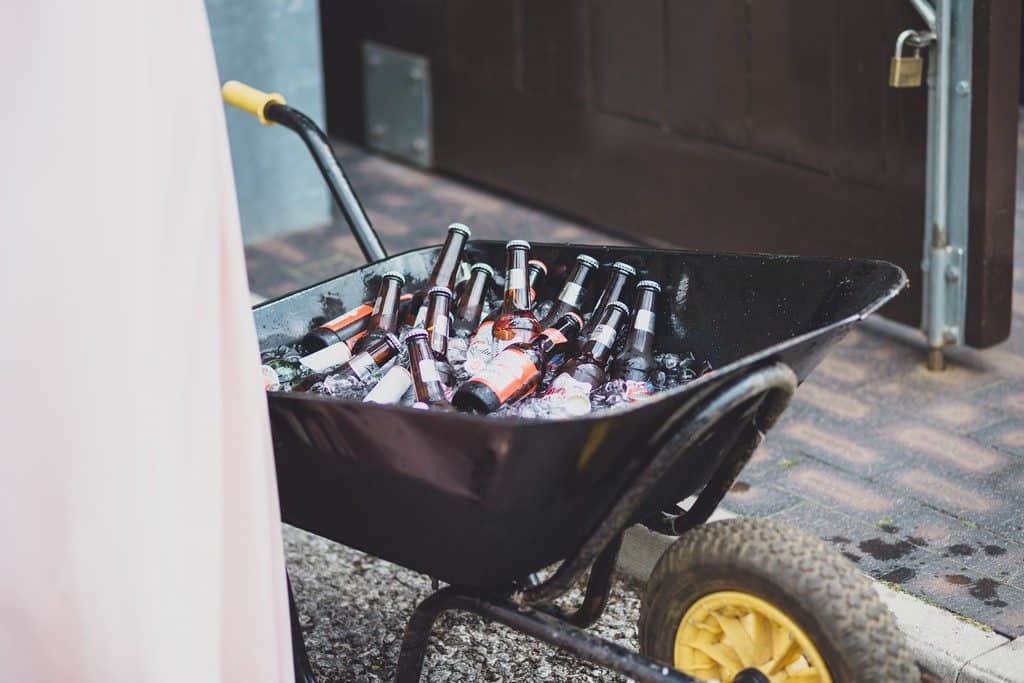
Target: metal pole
[927, 12]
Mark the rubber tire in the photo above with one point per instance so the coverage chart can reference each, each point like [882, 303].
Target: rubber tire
[799, 574]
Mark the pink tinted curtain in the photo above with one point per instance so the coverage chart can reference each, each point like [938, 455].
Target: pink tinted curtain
[139, 525]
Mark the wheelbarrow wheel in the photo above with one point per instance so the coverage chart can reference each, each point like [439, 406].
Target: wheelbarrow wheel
[743, 594]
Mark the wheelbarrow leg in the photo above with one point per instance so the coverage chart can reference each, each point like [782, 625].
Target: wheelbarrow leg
[300, 658]
[531, 622]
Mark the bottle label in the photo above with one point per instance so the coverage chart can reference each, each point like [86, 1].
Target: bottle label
[421, 316]
[516, 279]
[571, 294]
[636, 390]
[507, 373]
[349, 317]
[392, 387]
[570, 395]
[480, 349]
[362, 365]
[604, 334]
[428, 370]
[327, 357]
[271, 382]
[555, 336]
[644, 321]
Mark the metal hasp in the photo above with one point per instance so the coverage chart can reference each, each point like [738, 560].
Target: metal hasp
[399, 110]
[947, 193]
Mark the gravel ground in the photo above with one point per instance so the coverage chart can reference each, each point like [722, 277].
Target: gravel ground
[353, 609]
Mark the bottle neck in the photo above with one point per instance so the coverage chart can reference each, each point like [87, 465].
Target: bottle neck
[426, 379]
[447, 262]
[572, 292]
[438, 322]
[564, 330]
[381, 351]
[517, 288]
[641, 334]
[385, 307]
[612, 291]
[472, 302]
[598, 347]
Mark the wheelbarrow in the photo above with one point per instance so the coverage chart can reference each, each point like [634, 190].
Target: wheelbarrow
[484, 504]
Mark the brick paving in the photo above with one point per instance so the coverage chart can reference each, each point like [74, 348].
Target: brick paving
[917, 477]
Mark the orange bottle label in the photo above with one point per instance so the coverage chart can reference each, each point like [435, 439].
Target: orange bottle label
[509, 372]
[349, 317]
[555, 336]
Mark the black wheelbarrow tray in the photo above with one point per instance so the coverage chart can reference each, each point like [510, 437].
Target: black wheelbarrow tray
[483, 504]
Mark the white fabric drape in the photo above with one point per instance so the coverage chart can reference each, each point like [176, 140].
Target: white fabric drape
[139, 525]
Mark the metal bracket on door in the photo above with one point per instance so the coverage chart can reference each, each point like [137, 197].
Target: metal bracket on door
[398, 104]
[947, 195]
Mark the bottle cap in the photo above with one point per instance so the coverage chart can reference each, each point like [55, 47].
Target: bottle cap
[618, 305]
[393, 342]
[575, 318]
[537, 263]
[517, 244]
[395, 275]
[484, 267]
[648, 284]
[588, 260]
[624, 268]
[439, 290]
[459, 227]
[416, 333]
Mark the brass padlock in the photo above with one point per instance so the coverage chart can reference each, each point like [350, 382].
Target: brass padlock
[906, 72]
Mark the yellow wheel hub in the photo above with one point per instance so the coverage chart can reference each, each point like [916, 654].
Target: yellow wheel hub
[724, 633]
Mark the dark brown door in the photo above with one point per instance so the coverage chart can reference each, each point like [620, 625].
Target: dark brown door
[724, 124]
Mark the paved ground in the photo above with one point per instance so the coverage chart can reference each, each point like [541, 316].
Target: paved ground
[918, 477]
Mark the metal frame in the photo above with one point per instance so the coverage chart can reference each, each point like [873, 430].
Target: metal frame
[947, 197]
[764, 392]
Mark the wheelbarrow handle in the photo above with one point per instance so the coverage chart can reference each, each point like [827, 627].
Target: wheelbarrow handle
[270, 108]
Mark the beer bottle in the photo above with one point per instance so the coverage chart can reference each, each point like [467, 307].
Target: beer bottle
[516, 371]
[439, 301]
[471, 303]
[515, 322]
[614, 290]
[426, 380]
[384, 320]
[360, 370]
[571, 389]
[446, 267]
[536, 272]
[570, 299]
[636, 362]
[341, 329]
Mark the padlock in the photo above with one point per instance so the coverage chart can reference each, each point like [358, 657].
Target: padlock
[906, 72]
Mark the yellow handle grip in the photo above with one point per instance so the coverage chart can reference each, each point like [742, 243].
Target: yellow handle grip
[248, 98]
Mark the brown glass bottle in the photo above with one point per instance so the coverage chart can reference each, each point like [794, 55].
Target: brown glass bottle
[362, 368]
[471, 304]
[439, 300]
[570, 299]
[426, 379]
[614, 290]
[516, 322]
[446, 267]
[385, 311]
[340, 329]
[584, 373]
[536, 271]
[516, 371]
[636, 362]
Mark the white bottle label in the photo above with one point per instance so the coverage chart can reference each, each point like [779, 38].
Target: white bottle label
[516, 279]
[644, 321]
[327, 357]
[570, 294]
[604, 334]
[428, 370]
[362, 365]
[392, 387]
